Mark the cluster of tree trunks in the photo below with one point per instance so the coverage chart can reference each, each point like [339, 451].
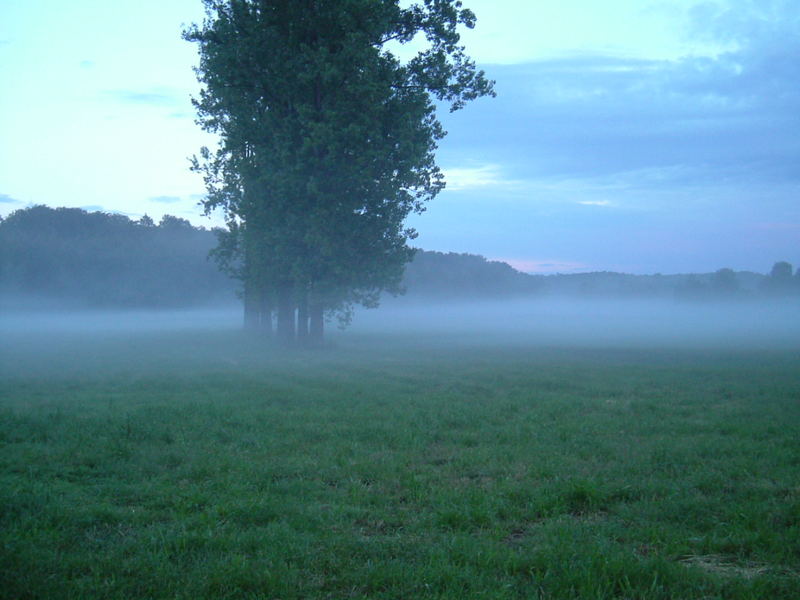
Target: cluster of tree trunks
[289, 318]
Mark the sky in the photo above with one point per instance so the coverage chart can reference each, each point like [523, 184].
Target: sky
[638, 136]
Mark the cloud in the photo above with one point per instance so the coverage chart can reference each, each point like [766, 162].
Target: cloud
[464, 178]
[86, 64]
[164, 199]
[6, 199]
[158, 97]
[594, 202]
[741, 23]
[695, 121]
[677, 117]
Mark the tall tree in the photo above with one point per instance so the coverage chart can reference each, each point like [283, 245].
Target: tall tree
[327, 141]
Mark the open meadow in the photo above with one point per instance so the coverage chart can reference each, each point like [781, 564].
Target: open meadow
[200, 463]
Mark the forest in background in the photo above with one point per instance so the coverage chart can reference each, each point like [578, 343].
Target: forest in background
[71, 258]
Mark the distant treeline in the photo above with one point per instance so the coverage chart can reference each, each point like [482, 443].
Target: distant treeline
[435, 274]
[78, 258]
[70, 257]
[723, 284]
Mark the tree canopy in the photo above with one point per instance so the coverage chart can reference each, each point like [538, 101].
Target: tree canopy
[327, 141]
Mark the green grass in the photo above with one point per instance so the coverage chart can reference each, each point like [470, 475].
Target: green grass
[207, 466]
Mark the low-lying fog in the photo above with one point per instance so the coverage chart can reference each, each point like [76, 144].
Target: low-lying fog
[577, 322]
[118, 321]
[537, 322]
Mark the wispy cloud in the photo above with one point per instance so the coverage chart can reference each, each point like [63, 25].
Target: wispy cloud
[165, 199]
[157, 97]
[595, 202]
[6, 199]
[92, 208]
[464, 178]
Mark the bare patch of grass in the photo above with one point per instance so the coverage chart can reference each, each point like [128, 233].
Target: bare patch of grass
[726, 566]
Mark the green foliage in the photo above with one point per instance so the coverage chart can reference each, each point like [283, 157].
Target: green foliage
[132, 468]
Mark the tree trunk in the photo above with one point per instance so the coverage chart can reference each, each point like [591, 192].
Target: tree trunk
[251, 308]
[286, 331]
[302, 319]
[265, 314]
[317, 323]
[252, 286]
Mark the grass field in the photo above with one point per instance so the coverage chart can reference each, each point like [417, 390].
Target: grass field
[204, 465]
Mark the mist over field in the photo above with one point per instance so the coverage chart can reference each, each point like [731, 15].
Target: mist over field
[576, 322]
[20, 322]
[531, 322]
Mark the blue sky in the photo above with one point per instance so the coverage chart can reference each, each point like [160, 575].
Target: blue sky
[627, 135]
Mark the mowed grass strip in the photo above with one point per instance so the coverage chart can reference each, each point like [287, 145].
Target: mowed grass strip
[209, 466]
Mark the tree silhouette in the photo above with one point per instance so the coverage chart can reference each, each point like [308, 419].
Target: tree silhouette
[327, 142]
